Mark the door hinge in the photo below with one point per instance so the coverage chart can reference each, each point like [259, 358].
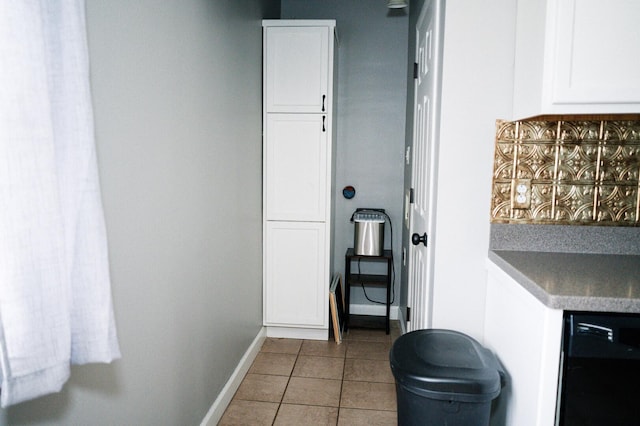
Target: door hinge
[415, 70]
[408, 314]
[410, 195]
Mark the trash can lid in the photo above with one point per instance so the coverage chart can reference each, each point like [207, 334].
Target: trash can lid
[446, 365]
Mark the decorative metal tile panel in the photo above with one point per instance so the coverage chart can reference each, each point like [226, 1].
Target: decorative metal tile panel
[619, 164]
[577, 163]
[574, 203]
[567, 171]
[617, 204]
[535, 161]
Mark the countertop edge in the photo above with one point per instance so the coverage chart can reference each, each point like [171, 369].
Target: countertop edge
[529, 285]
[563, 302]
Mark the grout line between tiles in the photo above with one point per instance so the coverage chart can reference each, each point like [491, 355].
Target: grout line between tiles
[344, 366]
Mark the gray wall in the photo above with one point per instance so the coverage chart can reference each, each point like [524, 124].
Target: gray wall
[177, 96]
[372, 56]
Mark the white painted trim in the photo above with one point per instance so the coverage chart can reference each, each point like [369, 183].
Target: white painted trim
[226, 394]
[331, 23]
[375, 310]
[298, 333]
[402, 320]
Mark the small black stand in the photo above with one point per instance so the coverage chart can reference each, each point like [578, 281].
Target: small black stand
[368, 280]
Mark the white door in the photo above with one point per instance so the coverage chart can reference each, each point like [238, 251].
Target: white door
[296, 282]
[297, 69]
[424, 164]
[296, 167]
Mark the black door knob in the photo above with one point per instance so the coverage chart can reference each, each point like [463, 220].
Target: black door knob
[417, 239]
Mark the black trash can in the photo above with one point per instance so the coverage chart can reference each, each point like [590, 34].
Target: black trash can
[444, 377]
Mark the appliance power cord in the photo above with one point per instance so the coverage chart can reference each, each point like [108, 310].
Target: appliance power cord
[393, 267]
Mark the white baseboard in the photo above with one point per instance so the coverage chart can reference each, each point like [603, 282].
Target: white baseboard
[375, 310]
[298, 333]
[226, 394]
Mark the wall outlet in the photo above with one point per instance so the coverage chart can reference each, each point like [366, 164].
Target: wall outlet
[521, 194]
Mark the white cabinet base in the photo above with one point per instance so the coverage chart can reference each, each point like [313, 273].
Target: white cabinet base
[526, 337]
[296, 292]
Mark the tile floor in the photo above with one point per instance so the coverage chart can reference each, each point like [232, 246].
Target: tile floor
[310, 382]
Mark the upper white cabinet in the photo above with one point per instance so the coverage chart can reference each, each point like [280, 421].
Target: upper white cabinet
[577, 57]
[297, 68]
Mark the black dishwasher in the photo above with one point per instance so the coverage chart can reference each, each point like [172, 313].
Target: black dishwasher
[600, 377]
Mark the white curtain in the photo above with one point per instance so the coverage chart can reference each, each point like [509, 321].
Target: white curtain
[55, 295]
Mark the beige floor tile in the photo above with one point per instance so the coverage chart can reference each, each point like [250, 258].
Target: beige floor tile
[310, 391]
[368, 350]
[273, 363]
[395, 333]
[368, 335]
[306, 375]
[296, 415]
[242, 413]
[283, 346]
[321, 367]
[356, 417]
[370, 396]
[368, 370]
[262, 387]
[323, 348]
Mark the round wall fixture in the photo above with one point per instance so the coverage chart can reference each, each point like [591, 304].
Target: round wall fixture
[349, 192]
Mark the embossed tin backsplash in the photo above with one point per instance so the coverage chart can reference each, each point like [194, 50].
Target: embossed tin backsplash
[567, 171]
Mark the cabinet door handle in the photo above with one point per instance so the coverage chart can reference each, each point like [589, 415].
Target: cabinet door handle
[323, 98]
[323, 119]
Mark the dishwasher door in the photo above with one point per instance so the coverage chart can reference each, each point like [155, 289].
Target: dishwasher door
[600, 378]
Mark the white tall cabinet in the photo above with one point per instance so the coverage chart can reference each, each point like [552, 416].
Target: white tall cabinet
[298, 139]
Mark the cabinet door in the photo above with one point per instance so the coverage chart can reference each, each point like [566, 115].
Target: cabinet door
[296, 167]
[596, 52]
[296, 69]
[576, 57]
[296, 281]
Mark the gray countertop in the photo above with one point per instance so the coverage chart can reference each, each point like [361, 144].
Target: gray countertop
[574, 281]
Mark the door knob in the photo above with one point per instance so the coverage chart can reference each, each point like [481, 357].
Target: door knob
[417, 239]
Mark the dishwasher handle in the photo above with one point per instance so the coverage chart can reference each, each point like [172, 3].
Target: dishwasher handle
[602, 335]
[594, 330]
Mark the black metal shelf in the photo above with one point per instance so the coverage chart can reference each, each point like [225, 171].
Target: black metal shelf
[368, 279]
[373, 280]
